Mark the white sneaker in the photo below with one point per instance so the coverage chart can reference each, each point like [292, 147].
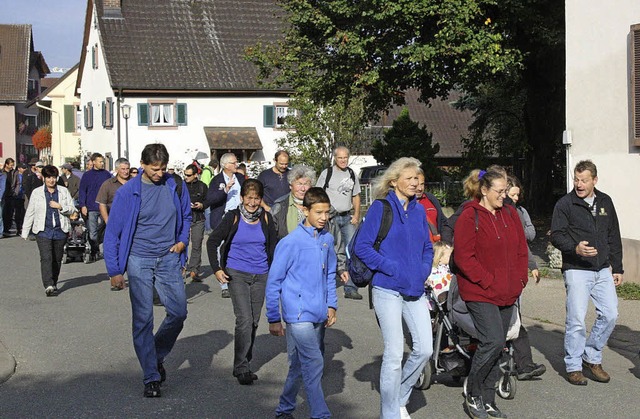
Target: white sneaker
[50, 291]
[404, 414]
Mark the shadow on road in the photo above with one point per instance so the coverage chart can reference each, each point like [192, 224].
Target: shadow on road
[68, 284]
[626, 342]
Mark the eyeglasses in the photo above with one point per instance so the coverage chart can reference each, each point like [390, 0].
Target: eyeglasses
[189, 174]
[502, 192]
[133, 171]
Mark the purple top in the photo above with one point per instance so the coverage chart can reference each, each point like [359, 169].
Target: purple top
[248, 252]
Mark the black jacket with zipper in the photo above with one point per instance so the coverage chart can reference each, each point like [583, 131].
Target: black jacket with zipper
[573, 222]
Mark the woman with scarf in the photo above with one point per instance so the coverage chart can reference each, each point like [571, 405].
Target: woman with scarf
[248, 238]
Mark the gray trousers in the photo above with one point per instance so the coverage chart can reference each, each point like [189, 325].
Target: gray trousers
[247, 296]
[492, 325]
[197, 235]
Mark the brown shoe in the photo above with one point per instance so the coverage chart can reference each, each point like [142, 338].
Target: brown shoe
[597, 373]
[576, 378]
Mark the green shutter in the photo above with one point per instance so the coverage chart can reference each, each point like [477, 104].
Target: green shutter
[110, 109]
[93, 57]
[269, 112]
[143, 114]
[104, 114]
[69, 118]
[182, 113]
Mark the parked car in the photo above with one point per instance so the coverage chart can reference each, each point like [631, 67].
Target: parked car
[368, 173]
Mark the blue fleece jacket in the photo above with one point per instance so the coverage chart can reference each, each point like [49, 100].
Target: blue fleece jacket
[403, 262]
[89, 187]
[123, 221]
[302, 277]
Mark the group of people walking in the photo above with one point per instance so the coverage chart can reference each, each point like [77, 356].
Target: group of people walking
[279, 240]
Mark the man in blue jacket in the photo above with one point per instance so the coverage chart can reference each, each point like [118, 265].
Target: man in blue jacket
[302, 282]
[147, 236]
[89, 187]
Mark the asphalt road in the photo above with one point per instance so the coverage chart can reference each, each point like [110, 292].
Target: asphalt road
[75, 356]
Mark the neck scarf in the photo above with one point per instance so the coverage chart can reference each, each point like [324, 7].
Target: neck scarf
[250, 217]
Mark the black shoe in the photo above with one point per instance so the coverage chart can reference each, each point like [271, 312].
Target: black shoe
[284, 416]
[493, 411]
[226, 293]
[475, 407]
[530, 371]
[163, 372]
[254, 377]
[152, 389]
[245, 379]
[354, 295]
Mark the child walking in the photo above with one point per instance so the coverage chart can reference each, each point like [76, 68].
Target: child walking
[301, 286]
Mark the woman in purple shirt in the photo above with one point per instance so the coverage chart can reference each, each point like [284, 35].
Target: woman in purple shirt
[248, 237]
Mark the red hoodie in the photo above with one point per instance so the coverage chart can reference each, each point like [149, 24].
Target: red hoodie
[492, 261]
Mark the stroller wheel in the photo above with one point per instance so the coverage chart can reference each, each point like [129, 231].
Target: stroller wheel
[86, 257]
[424, 381]
[464, 386]
[65, 257]
[507, 386]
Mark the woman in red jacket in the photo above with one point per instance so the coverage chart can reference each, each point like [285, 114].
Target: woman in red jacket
[491, 257]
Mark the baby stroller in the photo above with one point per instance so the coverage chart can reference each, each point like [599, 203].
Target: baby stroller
[454, 342]
[77, 246]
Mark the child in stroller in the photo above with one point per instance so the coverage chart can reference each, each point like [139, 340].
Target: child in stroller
[77, 245]
[454, 333]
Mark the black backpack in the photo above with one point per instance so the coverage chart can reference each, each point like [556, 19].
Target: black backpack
[360, 273]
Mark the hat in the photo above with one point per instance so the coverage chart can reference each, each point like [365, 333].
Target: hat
[39, 163]
[67, 166]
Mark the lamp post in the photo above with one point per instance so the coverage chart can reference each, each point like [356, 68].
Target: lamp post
[126, 113]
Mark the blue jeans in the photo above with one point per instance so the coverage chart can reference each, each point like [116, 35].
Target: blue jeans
[396, 382]
[165, 273]
[94, 222]
[582, 285]
[347, 230]
[305, 347]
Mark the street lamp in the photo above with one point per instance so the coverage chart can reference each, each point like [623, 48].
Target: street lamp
[126, 113]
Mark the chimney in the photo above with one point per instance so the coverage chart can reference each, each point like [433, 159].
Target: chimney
[112, 8]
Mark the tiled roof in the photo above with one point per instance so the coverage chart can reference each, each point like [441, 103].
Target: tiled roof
[447, 124]
[185, 45]
[15, 46]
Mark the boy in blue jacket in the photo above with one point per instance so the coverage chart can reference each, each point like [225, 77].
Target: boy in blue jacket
[302, 285]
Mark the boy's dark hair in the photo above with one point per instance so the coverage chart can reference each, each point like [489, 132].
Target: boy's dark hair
[315, 195]
[155, 153]
[94, 156]
[193, 168]
[50, 171]
[252, 185]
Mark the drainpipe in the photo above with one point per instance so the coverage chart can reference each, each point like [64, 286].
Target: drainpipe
[119, 141]
[59, 136]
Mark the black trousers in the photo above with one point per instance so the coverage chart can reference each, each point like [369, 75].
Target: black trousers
[522, 349]
[51, 252]
[492, 325]
[7, 214]
[19, 211]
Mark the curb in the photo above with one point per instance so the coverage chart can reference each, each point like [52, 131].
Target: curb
[7, 364]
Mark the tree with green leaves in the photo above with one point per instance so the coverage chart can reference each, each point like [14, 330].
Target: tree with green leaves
[314, 131]
[406, 138]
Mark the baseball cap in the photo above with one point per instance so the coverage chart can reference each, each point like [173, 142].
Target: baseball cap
[39, 163]
[67, 166]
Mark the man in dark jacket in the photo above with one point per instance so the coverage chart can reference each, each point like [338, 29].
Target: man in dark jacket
[585, 229]
[89, 186]
[197, 193]
[7, 197]
[70, 181]
[224, 195]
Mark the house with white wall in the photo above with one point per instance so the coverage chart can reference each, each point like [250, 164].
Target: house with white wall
[603, 106]
[175, 73]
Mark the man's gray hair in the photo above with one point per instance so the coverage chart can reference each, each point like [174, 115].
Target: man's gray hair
[121, 160]
[340, 147]
[300, 171]
[226, 157]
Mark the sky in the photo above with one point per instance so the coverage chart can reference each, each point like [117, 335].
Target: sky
[57, 27]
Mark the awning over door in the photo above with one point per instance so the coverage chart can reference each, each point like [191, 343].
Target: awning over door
[245, 138]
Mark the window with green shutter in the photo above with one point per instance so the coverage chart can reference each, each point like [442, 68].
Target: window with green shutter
[104, 114]
[69, 118]
[182, 113]
[269, 113]
[143, 114]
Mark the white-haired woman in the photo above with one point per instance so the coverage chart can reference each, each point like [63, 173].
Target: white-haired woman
[400, 266]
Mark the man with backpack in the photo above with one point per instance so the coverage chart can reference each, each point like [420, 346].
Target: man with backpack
[343, 188]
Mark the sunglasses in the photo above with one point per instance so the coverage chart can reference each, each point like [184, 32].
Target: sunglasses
[133, 171]
[189, 174]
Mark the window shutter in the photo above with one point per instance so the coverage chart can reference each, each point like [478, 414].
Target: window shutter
[104, 114]
[69, 118]
[635, 82]
[90, 115]
[85, 111]
[182, 113]
[143, 114]
[269, 112]
[93, 57]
